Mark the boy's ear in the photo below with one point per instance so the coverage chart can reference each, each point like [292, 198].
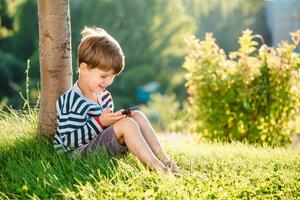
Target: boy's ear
[82, 67]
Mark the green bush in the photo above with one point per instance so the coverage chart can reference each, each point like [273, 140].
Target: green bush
[250, 95]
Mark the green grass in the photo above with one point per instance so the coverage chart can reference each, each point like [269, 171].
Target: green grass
[29, 168]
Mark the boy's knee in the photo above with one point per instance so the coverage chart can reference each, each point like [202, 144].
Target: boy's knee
[126, 123]
[137, 113]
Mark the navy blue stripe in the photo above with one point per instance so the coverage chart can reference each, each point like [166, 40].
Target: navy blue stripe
[90, 133]
[83, 136]
[68, 101]
[63, 102]
[94, 115]
[95, 108]
[94, 127]
[105, 96]
[79, 104]
[74, 112]
[61, 135]
[76, 96]
[56, 140]
[76, 138]
[72, 119]
[85, 108]
[72, 126]
[60, 104]
[107, 103]
[64, 95]
[68, 135]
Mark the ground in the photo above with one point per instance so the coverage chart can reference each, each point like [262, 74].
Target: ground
[31, 169]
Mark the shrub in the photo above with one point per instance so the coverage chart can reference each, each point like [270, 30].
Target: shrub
[249, 95]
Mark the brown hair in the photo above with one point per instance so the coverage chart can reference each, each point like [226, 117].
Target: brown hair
[100, 50]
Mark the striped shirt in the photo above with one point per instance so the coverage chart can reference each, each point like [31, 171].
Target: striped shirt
[77, 119]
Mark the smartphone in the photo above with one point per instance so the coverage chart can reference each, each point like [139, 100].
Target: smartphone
[127, 111]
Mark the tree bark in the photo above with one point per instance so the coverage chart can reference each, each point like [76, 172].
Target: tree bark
[55, 58]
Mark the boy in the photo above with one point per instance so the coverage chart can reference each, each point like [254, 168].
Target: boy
[85, 114]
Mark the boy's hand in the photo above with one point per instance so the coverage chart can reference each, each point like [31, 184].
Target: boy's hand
[108, 118]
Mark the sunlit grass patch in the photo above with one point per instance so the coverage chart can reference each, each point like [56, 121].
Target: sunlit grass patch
[29, 168]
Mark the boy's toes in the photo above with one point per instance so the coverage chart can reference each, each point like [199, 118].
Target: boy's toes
[174, 168]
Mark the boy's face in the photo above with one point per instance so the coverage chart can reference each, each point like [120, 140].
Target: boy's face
[96, 79]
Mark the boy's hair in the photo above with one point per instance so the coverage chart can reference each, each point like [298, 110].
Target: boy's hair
[100, 50]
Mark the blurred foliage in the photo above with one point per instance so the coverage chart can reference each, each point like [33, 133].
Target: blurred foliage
[226, 19]
[150, 32]
[249, 96]
[18, 42]
[162, 111]
[7, 11]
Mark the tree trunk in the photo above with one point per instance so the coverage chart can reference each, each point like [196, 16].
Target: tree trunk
[55, 58]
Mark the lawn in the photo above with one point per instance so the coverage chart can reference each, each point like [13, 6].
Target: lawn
[29, 168]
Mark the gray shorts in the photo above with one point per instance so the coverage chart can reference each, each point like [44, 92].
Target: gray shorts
[107, 140]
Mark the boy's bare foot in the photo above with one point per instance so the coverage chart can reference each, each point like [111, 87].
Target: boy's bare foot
[158, 168]
[173, 167]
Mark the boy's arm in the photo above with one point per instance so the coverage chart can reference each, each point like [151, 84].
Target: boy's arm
[108, 101]
[74, 128]
[76, 133]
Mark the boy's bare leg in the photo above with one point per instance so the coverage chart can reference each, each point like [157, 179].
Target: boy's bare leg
[128, 132]
[150, 136]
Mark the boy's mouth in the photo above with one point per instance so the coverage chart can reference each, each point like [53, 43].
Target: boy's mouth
[101, 87]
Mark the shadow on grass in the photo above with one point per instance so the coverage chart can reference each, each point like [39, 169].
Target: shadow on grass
[30, 166]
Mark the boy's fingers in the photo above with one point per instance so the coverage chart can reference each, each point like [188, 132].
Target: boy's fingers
[107, 110]
[118, 117]
[118, 113]
[121, 117]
